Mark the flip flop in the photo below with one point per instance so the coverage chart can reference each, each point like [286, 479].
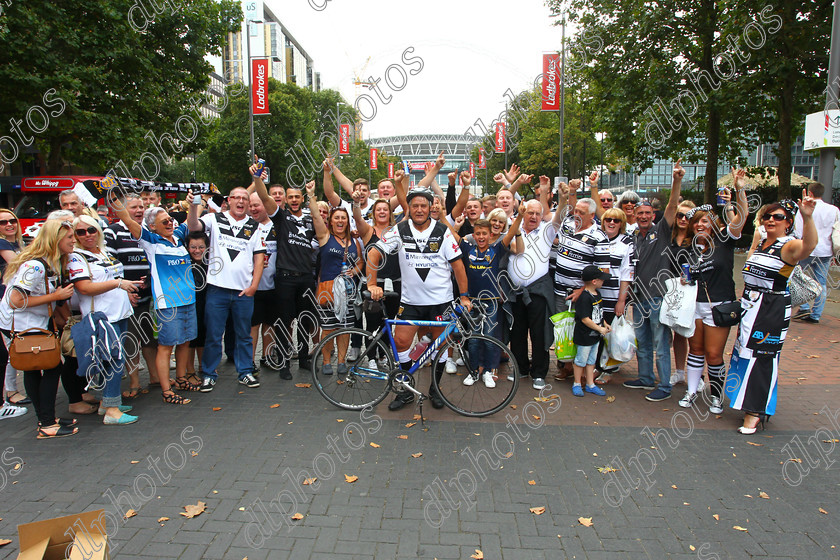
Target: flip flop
[132, 393]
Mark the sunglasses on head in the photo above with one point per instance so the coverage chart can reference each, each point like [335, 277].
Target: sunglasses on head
[776, 217]
[13, 221]
[90, 231]
[612, 220]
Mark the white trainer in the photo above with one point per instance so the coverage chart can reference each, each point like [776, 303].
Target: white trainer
[353, 354]
[469, 380]
[487, 377]
[677, 377]
[715, 407]
[701, 386]
[450, 366]
[687, 400]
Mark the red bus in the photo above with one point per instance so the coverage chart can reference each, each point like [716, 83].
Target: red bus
[40, 197]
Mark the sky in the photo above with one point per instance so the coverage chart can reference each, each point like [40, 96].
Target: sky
[472, 52]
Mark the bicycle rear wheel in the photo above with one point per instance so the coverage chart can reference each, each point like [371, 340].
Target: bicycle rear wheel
[476, 398]
[365, 382]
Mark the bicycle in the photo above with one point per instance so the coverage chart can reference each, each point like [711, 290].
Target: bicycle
[376, 371]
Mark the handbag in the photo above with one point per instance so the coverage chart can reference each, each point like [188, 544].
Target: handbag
[68, 347]
[35, 349]
[725, 314]
[802, 287]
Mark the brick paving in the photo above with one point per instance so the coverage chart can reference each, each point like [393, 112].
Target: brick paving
[683, 479]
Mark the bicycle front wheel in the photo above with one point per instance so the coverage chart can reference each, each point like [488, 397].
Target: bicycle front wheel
[476, 389]
[352, 385]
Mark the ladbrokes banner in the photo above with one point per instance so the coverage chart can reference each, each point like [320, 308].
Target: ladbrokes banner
[500, 138]
[374, 159]
[259, 85]
[551, 82]
[344, 139]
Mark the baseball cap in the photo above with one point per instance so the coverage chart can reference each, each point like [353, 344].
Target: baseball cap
[592, 272]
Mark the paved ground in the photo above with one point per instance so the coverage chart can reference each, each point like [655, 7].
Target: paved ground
[684, 480]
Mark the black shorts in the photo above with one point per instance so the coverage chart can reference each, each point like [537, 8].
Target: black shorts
[265, 308]
[410, 312]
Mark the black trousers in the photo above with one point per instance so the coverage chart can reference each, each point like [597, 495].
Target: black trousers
[529, 320]
[296, 299]
[41, 387]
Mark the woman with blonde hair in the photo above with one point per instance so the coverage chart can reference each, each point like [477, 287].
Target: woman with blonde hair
[35, 288]
[98, 277]
[498, 223]
[11, 243]
[682, 237]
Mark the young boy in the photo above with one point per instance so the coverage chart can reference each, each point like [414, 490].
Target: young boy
[589, 327]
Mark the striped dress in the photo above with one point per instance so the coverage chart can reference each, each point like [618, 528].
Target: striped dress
[752, 380]
[621, 269]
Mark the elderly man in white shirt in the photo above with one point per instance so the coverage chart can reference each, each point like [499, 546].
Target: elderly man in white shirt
[825, 216]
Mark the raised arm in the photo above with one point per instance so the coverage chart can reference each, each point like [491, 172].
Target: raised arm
[737, 225]
[321, 231]
[345, 183]
[463, 197]
[136, 230]
[514, 233]
[562, 202]
[451, 198]
[797, 249]
[400, 190]
[364, 229]
[545, 196]
[329, 189]
[595, 194]
[432, 173]
[523, 179]
[262, 192]
[670, 213]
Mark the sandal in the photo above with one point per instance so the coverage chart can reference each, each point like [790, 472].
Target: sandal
[63, 422]
[194, 378]
[132, 393]
[157, 383]
[172, 397]
[184, 385]
[60, 431]
[21, 402]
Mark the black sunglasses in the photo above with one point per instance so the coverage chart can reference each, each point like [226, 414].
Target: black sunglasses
[613, 220]
[777, 217]
[165, 222]
[90, 230]
[13, 221]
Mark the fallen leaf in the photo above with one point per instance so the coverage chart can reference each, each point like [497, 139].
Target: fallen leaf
[194, 510]
[513, 406]
[532, 482]
[308, 481]
[822, 511]
[717, 517]
[585, 521]
[417, 417]
[686, 504]
[134, 462]
[611, 398]
[162, 519]
[674, 486]
[748, 495]
[416, 455]
[193, 452]
[374, 444]
[403, 436]
[509, 454]
[303, 385]
[691, 548]
[834, 341]
[755, 444]
[217, 408]
[297, 517]
[275, 405]
[812, 356]
[410, 424]
[831, 441]
[339, 419]
[559, 537]
[350, 478]
[129, 513]
[537, 510]
[339, 382]
[535, 417]
[4, 542]
[607, 469]
[478, 555]
[739, 528]
[476, 434]
[763, 495]
[795, 460]
[242, 509]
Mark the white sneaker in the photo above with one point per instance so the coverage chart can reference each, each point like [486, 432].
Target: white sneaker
[382, 362]
[687, 400]
[373, 365]
[701, 386]
[538, 384]
[487, 377]
[677, 377]
[12, 411]
[451, 367]
[469, 380]
[459, 361]
[353, 354]
[715, 407]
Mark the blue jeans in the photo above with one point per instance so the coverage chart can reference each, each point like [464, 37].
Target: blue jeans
[222, 302]
[819, 270]
[111, 396]
[652, 336]
[483, 355]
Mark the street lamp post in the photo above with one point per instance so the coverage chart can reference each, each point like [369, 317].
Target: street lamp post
[562, 91]
[250, 84]
[827, 154]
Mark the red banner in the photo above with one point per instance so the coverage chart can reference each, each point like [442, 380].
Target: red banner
[472, 169]
[344, 139]
[551, 82]
[390, 170]
[374, 158]
[482, 163]
[500, 138]
[259, 86]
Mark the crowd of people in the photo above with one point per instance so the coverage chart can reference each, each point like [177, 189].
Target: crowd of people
[278, 265]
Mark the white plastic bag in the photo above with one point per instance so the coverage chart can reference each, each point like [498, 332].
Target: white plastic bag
[678, 305]
[621, 340]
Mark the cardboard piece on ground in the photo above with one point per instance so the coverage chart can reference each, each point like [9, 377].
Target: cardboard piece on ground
[78, 537]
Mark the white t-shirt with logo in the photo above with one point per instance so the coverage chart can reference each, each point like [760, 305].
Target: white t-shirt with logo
[233, 245]
[29, 279]
[98, 267]
[532, 264]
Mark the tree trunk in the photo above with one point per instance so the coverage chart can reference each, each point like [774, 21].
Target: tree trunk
[55, 162]
[785, 130]
[712, 150]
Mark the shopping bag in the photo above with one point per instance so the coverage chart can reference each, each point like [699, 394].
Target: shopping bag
[621, 340]
[564, 330]
[678, 304]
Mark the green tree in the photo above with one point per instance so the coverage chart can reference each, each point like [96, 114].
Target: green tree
[119, 74]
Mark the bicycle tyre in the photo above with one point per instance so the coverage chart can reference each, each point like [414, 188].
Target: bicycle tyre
[362, 386]
[476, 400]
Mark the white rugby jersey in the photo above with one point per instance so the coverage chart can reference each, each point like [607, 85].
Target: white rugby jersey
[576, 251]
[233, 245]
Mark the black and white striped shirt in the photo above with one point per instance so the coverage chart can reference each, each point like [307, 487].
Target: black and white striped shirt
[122, 246]
[575, 252]
[766, 270]
[621, 269]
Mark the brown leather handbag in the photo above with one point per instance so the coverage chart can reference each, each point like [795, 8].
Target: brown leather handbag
[35, 349]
